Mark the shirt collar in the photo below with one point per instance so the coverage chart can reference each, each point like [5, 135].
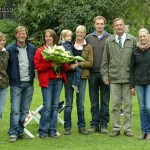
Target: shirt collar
[3, 49]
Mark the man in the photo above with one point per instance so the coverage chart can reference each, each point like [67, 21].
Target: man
[21, 75]
[115, 71]
[99, 102]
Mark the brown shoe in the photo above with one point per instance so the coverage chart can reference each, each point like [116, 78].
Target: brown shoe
[142, 137]
[83, 131]
[92, 129]
[114, 133]
[148, 137]
[103, 130]
[128, 133]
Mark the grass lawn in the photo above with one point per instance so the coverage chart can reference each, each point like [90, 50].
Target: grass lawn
[75, 141]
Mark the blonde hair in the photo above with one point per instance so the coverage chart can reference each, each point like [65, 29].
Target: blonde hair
[63, 34]
[116, 19]
[81, 27]
[144, 30]
[99, 17]
[2, 36]
[21, 28]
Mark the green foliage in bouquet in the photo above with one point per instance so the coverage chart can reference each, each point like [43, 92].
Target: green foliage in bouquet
[59, 55]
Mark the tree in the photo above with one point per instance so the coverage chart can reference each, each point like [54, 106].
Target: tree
[39, 15]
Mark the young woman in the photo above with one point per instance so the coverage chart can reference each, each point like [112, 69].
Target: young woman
[140, 80]
[4, 81]
[51, 86]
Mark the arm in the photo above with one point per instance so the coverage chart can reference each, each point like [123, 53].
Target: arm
[105, 65]
[40, 63]
[88, 63]
[132, 73]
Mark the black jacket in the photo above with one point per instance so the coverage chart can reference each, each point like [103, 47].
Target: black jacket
[140, 67]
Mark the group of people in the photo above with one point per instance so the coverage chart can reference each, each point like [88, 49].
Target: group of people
[115, 64]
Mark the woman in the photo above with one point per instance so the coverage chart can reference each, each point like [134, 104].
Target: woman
[4, 81]
[81, 48]
[51, 86]
[140, 80]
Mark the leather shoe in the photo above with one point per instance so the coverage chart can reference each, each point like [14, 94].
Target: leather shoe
[114, 133]
[142, 137]
[83, 131]
[128, 133]
[148, 137]
[104, 130]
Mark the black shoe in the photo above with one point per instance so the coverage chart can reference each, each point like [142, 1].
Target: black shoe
[43, 136]
[83, 131]
[56, 136]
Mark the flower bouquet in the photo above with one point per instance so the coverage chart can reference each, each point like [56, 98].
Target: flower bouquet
[59, 55]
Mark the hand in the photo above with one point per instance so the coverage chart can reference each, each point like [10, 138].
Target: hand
[73, 66]
[106, 82]
[54, 64]
[133, 91]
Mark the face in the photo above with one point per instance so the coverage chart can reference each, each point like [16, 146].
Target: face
[49, 39]
[119, 27]
[2, 42]
[68, 37]
[99, 25]
[143, 37]
[21, 36]
[80, 34]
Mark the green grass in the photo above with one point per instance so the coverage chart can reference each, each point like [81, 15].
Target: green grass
[75, 141]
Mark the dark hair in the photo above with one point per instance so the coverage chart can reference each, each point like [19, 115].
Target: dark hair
[52, 33]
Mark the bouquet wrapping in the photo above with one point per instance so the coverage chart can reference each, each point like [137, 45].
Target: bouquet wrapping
[59, 55]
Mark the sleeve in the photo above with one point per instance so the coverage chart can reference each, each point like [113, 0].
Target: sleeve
[132, 70]
[88, 63]
[105, 63]
[40, 63]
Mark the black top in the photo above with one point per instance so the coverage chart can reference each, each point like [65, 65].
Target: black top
[140, 67]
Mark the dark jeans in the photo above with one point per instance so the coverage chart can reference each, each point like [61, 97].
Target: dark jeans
[76, 76]
[99, 97]
[69, 92]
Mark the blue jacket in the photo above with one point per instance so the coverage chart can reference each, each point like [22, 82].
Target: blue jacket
[68, 46]
[13, 63]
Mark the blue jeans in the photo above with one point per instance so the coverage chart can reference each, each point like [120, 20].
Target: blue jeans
[3, 95]
[69, 92]
[143, 94]
[99, 97]
[21, 97]
[51, 95]
[77, 76]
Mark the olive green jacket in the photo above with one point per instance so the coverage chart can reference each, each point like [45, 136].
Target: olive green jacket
[4, 81]
[116, 66]
[87, 54]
